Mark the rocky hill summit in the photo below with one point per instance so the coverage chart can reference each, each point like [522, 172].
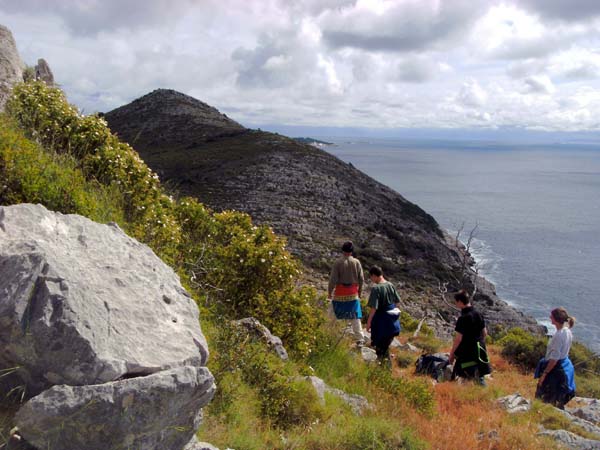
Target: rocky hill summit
[313, 198]
[165, 118]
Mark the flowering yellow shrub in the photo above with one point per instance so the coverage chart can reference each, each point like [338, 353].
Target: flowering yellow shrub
[238, 268]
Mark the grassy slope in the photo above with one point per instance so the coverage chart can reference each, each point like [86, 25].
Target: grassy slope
[408, 411]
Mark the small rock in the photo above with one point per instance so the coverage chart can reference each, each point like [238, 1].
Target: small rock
[395, 343]
[254, 326]
[357, 403]
[368, 354]
[195, 444]
[408, 347]
[515, 403]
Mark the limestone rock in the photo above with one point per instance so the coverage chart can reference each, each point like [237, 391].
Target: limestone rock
[195, 444]
[357, 403]
[11, 65]
[258, 329]
[586, 408]
[587, 425]
[83, 303]
[396, 343]
[571, 440]
[368, 354]
[408, 347]
[515, 403]
[151, 412]
[43, 72]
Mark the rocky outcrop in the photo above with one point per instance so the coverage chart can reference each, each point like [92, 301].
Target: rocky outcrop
[43, 72]
[357, 403]
[570, 440]
[252, 325]
[11, 65]
[88, 314]
[585, 408]
[311, 197]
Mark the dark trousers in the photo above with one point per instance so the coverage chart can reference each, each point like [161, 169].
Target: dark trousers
[382, 348]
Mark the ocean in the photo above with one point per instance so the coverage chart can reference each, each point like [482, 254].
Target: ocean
[536, 208]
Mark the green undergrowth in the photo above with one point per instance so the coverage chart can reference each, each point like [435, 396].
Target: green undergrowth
[71, 163]
[263, 402]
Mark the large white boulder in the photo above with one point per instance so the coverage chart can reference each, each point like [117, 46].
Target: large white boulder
[94, 325]
[83, 303]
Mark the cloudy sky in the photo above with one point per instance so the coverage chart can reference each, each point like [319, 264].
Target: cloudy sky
[532, 64]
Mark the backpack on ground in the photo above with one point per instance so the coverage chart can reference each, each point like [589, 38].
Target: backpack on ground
[432, 365]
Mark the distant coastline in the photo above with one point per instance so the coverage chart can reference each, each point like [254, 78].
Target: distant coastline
[312, 141]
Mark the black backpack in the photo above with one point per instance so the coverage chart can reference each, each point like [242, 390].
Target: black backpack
[432, 365]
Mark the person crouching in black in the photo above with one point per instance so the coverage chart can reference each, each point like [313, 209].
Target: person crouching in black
[469, 353]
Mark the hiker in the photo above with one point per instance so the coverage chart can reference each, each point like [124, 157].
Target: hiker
[555, 372]
[345, 288]
[383, 320]
[468, 353]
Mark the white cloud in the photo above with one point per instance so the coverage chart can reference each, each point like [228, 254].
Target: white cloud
[539, 85]
[355, 63]
[398, 26]
[471, 94]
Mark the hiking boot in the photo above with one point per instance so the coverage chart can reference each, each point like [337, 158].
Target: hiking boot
[482, 382]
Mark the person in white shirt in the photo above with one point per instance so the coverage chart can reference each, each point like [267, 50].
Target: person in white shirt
[555, 372]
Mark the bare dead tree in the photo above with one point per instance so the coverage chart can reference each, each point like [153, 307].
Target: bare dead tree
[443, 290]
[468, 270]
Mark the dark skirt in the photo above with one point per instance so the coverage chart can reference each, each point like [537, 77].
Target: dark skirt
[384, 327]
[559, 385]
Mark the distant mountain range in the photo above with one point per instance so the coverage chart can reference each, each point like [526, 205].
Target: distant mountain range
[311, 197]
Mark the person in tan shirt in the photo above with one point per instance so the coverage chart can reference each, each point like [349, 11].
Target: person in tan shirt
[345, 288]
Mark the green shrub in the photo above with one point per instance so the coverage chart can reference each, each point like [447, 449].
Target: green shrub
[237, 268]
[410, 324]
[30, 175]
[285, 399]
[523, 348]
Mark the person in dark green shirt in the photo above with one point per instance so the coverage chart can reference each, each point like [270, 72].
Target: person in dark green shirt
[383, 322]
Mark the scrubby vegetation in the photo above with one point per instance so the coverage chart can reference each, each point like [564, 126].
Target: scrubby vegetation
[53, 155]
[73, 164]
